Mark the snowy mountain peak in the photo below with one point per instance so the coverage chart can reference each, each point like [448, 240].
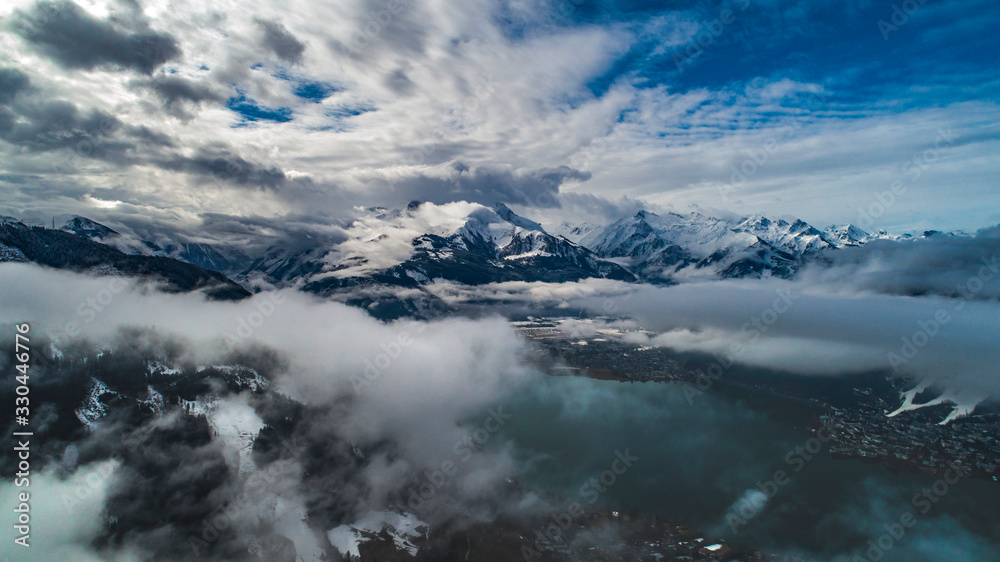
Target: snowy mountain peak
[695, 245]
[470, 243]
[758, 220]
[846, 235]
[82, 226]
[574, 232]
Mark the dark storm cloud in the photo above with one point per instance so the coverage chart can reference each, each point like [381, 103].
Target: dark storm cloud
[285, 45]
[173, 91]
[12, 82]
[594, 205]
[489, 185]
[293, 231]
[58, 124]
[17, 178]
[73, 38]
[226, 168]
[251, 236]
[43, 126]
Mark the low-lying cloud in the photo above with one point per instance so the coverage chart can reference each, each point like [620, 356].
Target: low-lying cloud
[357, 413]
[800, 326]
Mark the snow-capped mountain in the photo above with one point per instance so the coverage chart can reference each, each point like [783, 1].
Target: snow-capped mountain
[846, 235]
[97, 232]
[693, 245]
[473, 244]
[82, 226]
[205, 256]
[283, 266]
[850, 235]
[575, 232]
[796, 238]
[460, 242]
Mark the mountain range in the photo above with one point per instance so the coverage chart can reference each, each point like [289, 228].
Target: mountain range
[459, 242]
[82, 250]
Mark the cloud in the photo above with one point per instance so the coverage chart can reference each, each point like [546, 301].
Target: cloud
[12, 82]
[403, 394]
[69, 35]
[59, 124]
[873, 508]
[225, 167]
[406, 395]
[748, 506]
[940, 264]
[281, 41]
[174, 90]
[500, 87]
[798, 327]
[484, 184]
[60, 534]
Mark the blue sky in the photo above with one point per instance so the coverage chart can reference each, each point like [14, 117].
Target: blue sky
[294, 113]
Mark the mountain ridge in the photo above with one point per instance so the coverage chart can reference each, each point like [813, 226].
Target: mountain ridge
[472, 244]
[61, 249]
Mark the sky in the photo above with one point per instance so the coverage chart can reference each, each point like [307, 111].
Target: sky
[220, 119]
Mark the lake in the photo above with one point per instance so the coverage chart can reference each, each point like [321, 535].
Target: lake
[697, 458]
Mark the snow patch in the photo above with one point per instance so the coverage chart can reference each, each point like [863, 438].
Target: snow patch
[92, 409]
[403, 528]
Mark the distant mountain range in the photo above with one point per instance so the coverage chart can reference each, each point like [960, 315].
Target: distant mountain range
[457, 242]
[81, 250]
[675, 246]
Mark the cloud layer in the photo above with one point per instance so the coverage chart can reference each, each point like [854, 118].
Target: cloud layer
[373, 407]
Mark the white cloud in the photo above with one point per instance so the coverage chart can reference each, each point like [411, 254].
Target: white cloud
[423, 73]
[65, 514]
